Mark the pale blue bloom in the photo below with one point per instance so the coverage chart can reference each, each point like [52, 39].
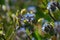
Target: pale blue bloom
[44, 25]
[29, 16]
[33, 8]
[49, 5]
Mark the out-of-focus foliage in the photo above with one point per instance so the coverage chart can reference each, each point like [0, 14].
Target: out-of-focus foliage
[9, 17]
[2, 2]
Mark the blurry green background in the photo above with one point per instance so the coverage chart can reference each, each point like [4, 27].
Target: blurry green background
[9, 7]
